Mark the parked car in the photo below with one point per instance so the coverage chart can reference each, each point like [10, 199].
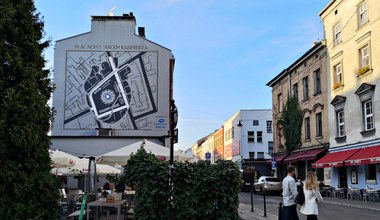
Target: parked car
[269, 184]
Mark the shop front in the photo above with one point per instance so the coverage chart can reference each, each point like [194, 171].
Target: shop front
[355, 167]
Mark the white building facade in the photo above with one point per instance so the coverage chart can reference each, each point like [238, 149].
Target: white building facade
[248, 139]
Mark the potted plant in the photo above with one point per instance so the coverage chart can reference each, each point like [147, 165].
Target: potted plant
[363, 70]
[337, 85]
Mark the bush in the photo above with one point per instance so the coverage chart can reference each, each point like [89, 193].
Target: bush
[197, 187]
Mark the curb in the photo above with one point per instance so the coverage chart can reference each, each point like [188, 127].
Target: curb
[353, 206]
[258, 214]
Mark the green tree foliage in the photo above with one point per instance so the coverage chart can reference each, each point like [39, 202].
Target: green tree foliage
[291, 120]
[197, 187]
[27, 188]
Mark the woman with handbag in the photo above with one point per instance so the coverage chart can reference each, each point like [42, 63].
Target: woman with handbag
[312, 197]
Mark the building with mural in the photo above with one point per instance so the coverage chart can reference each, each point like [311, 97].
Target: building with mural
[306, 80]
[352, 31]
[113, 87]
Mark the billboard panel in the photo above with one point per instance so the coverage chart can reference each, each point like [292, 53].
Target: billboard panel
[112, 89]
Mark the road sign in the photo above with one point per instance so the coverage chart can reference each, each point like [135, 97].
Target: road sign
[273, 159]
[273, 165]
[208, 156]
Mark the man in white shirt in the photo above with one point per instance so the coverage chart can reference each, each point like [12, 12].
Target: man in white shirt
[289, 194]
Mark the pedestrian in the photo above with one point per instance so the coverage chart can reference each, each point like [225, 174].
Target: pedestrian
[312, 197]
[289, 194]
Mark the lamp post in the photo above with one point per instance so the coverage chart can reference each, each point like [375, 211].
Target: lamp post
[173, 138]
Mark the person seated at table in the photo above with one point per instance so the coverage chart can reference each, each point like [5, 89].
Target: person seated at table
[321, 184]
[120, 187]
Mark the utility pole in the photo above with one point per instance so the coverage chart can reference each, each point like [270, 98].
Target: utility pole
[173, 140]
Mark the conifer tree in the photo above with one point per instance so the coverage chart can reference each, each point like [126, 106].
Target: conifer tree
[291, 120]
[27, 188]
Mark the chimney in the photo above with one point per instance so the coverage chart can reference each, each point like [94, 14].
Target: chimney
[141, 31]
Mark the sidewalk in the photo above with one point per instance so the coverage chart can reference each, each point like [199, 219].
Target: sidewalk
[258, 214]
[369, 205]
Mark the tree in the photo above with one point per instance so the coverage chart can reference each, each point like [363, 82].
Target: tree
[27, 188]
[291, 120]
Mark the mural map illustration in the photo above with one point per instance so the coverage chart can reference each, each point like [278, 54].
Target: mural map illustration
[115, 89]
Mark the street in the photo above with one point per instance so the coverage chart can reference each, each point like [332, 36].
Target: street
[326, 210]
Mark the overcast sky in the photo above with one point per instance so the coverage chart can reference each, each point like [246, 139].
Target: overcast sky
[225, 50]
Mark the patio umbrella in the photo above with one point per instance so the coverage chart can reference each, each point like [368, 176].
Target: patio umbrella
[62, 159]
[121, 156]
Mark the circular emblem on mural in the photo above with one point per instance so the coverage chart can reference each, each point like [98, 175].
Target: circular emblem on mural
[107, 96]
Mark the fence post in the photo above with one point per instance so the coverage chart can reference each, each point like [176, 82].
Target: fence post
[265, 204]
[215, 208]
[252, 196]
[280, 211]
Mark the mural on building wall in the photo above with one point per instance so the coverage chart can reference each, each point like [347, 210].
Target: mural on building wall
[115, 90]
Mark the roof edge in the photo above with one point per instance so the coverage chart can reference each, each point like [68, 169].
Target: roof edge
[325, 8]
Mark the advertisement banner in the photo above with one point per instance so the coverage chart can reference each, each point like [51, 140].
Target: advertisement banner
[235, 148]
[228, 151]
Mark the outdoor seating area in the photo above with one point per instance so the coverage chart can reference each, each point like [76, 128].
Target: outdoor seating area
[98, 206]
[351, 193]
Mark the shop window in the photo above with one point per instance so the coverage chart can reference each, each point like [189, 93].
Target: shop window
[370, 173]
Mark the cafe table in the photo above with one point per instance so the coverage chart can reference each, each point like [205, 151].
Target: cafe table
[102, 203]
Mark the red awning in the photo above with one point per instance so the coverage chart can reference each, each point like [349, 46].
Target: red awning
[278, 158]
[335, 159]
[366, 155]
[311, 154]
[294, 157]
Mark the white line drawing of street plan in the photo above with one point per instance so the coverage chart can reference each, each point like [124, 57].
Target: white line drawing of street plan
[110, 89]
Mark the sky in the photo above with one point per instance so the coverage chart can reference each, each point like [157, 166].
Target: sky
[225, 50]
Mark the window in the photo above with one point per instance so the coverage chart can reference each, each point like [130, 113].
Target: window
[233, 133]
[368, 115]
[295, 91]
[259, 136]
[305, 88]
[307, 128]
[260, 155]
[337, 38]
[340, 123]
[317, 81]
[318, 120]
[251, 136]
[279, 102]
[255, 122]
[364, 56]
[270, 147]
[362, 13]
[338, 73]
[370, 173]
[251, 155]
[269, 126]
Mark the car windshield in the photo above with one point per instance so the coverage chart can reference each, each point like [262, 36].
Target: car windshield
[272, 180]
